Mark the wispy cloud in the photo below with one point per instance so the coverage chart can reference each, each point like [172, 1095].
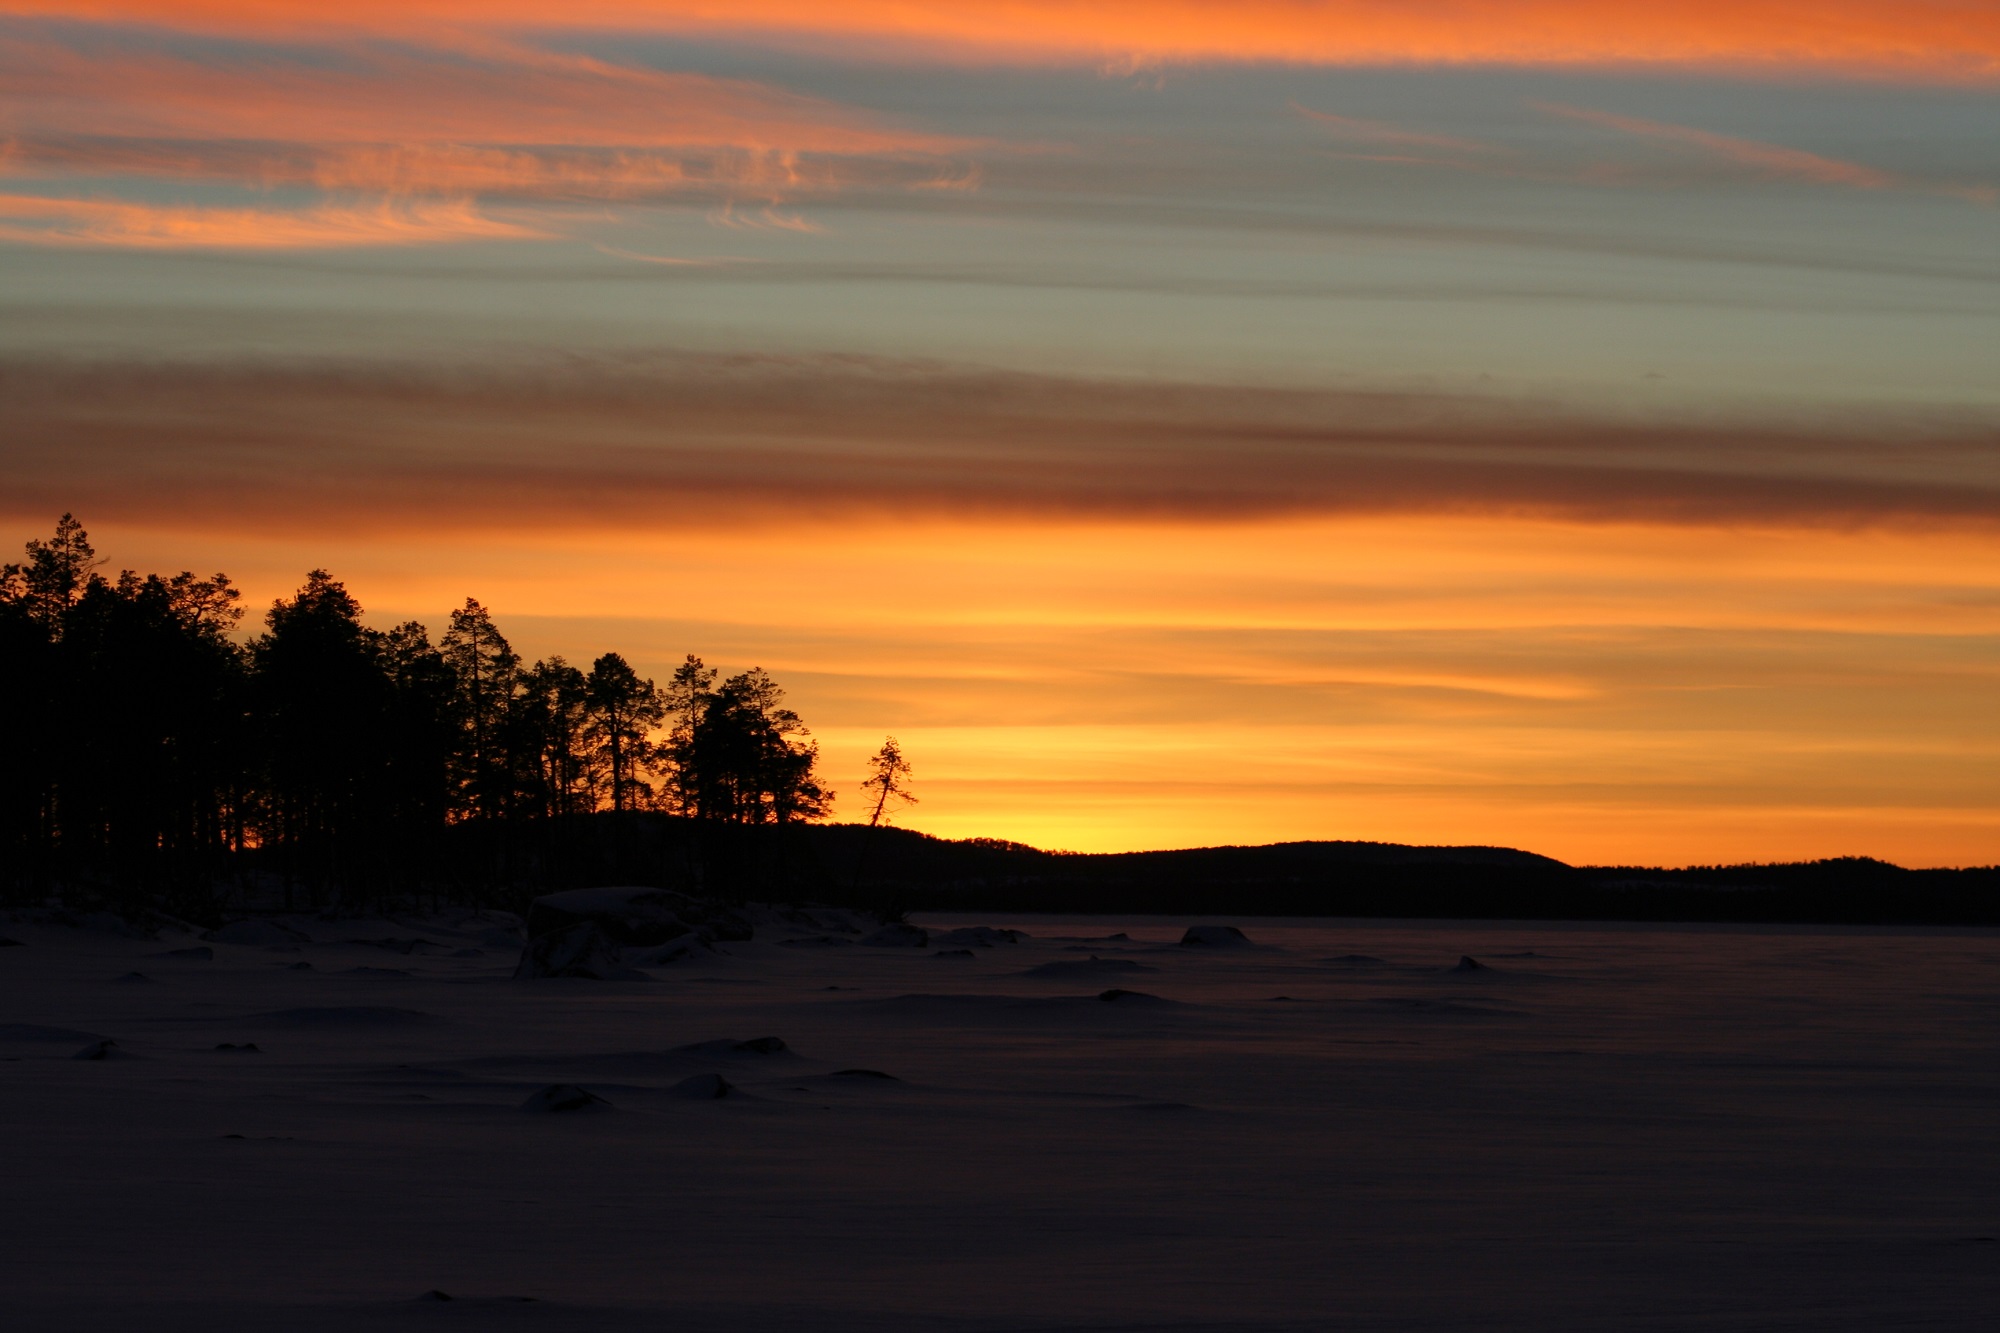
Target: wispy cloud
[1355, 130]
[1764, 159]
[127, 225]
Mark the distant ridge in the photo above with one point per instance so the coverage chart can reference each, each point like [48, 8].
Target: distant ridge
[1379, 879]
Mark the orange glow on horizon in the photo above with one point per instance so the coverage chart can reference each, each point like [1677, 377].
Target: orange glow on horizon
[1606, 693]
[1931, 38]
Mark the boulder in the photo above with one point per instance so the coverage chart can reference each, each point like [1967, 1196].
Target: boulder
[981, 937]
[639, 916]
[899, 935]
[1467, 963]
[577, 950]
[562, 1097]
[265, 934]
[1215, 937]
[703, 1088]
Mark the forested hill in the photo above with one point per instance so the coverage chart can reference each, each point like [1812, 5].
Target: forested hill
[1388, 879]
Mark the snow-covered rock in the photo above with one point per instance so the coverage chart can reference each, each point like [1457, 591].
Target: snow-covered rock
[561, 1097]
[257, 933]
[898, 935]
[578, 950]
[1215, 937]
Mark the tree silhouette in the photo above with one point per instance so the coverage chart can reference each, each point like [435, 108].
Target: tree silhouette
[486, 673]
[554, 708]
[622, 710]
[753, 761]
[152, 756]
[887, 783]
[688, 693]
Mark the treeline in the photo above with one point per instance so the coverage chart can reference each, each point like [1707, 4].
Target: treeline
[153, 753]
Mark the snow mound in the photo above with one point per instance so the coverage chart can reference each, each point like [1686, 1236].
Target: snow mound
[36, 1032]
[1117, 996]
[350, 1015]
[1214, 937]
[898, 935]
[558, 1098]
[703, 1088]
[1092, 966]
[264, 934]
[982, 937]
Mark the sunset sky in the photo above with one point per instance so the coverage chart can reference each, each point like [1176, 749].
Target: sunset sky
[1523, 422]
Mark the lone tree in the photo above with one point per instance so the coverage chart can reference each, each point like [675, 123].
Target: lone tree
[886, 786]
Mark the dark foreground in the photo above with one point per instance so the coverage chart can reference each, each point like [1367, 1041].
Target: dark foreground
[1622, 1127]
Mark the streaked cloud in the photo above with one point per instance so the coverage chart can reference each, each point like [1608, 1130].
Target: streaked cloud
[402, 141]
[1923, 38]
[691, 440]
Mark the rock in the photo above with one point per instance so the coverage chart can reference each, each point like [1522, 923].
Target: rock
[816, 942]
[7, 943]
[558, 1098]
[898, 935]
[247, 1048]
[762, 1046]
[468, 953]
[1467, 963]
[952, 953]
[349, 1015]
[266, 934]
[406, 947]
[579, 950]
[296, 967]
[865, 1073]
[200, 952]
[434, 1295]
[1114, 995]
[703, 1087]
[100, 1050]
[638, 916]
[981, 937]
[133, 979]
[1092, 966]
[673, 951]
[1214, 937]
[378, 972]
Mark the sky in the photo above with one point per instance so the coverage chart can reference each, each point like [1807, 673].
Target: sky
[1520, 422]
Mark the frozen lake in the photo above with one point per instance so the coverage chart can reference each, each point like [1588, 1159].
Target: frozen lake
[1623, 1127]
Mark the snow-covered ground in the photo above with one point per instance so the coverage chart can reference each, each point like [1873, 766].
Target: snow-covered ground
[1616, 1127]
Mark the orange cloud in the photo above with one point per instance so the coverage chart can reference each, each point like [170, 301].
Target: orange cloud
[1927, 38]
[481, 118]
[105, 222]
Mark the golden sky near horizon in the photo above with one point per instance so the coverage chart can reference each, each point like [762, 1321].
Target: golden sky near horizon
[1518, 422]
